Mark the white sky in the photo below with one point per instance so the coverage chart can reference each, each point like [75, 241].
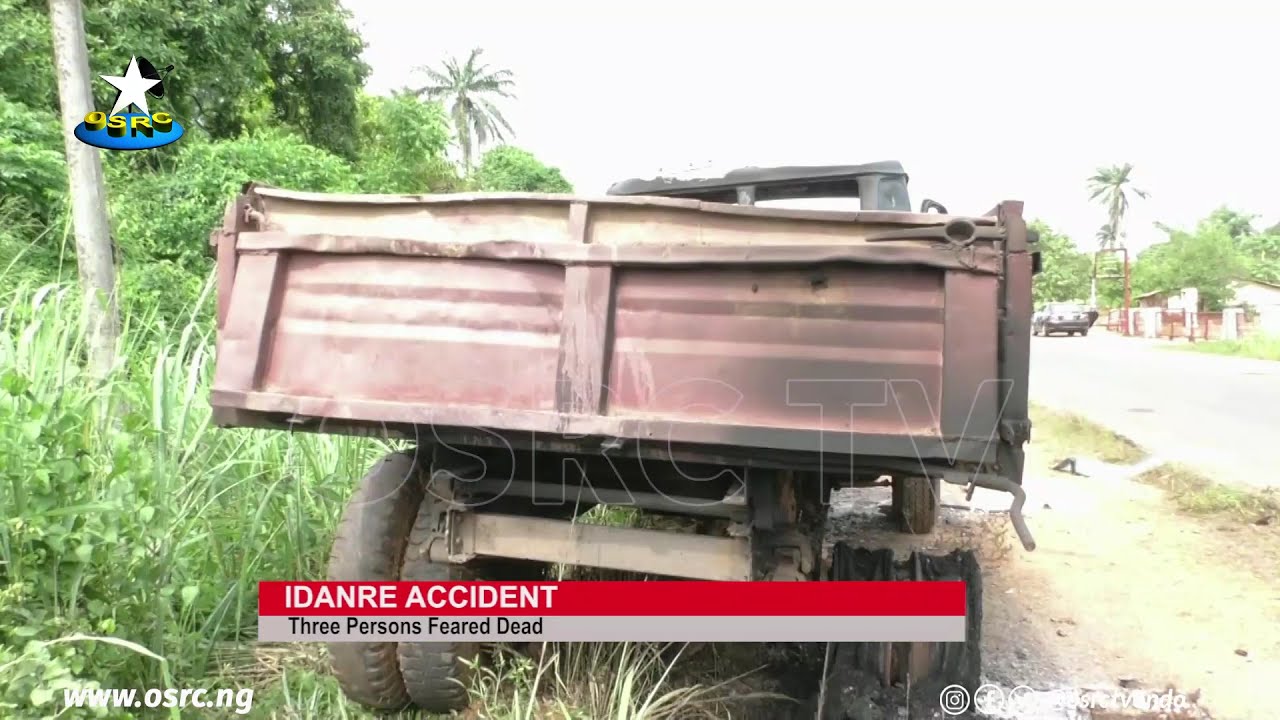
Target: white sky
[981, 100]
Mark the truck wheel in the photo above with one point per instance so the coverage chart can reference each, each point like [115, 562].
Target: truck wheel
[369, 545]
[1084, 332]
[436, 674]
[915, 504]
[924, 667]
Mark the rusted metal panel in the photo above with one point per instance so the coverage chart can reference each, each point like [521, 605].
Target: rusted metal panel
[584, 339]
[224, 250]
[797, 348]
[974, 259]
[1014, 362]
[641, 318]
[971, 346]
[584, 331]
[417, 330]
[368, 214]
[244, 338]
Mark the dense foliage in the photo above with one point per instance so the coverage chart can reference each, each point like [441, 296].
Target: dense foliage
[1222, 249]
[510, 168]
[148, 533]
[1064, 273]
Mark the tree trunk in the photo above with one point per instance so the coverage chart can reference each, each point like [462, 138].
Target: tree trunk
[88, 193]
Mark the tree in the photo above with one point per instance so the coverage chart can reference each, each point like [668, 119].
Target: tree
[1064, 273]
[512, 169]
[315, 70]
[1206, 259]
[402, 146]
[1237, 224]
[1260, 254]
[1259, 251]
[237, 65]
[32, 163]
[164, 217]
[1110, 185]
[465, 90]
[88, 189]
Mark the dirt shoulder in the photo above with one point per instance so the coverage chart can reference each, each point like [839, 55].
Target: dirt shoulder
[1127, 588]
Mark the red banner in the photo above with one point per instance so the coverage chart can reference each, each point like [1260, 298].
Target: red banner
[634, 599]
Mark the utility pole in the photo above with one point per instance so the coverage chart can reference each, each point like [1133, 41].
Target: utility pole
[88, 189]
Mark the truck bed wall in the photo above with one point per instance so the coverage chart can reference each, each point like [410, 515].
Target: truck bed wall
[658, 320]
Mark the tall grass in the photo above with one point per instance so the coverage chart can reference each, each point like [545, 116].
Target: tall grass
[133, 533]
[128, 515]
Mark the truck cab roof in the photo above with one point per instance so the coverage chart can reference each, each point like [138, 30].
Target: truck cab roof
[878, 185]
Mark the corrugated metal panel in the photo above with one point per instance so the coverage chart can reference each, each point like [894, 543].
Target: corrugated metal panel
[781, 348]
[418, 330]
[729, 326]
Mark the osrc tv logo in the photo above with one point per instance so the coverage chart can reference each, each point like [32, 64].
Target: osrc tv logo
[131, 130]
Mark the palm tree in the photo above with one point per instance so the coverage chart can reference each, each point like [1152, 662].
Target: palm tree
[1109, 185]
[1106, 236]
[464, 89]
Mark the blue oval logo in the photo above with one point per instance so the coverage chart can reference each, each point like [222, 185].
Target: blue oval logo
[135, 135]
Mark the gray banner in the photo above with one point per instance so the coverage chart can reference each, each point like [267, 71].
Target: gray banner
[611, 629]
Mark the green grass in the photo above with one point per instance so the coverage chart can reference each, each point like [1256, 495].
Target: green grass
[1197, 494]
[1061, 433]
[133, 534]
[1261, 347]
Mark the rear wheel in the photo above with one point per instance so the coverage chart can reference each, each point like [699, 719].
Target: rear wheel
[437, 675]
[1084, 332]
[925, 668]
[370, 545]
[915, 504]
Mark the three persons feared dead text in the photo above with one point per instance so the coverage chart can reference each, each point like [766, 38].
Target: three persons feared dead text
[434, 626]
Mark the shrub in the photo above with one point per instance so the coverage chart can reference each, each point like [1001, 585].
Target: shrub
[126, 515]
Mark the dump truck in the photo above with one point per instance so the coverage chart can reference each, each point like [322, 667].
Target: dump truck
[675, 346]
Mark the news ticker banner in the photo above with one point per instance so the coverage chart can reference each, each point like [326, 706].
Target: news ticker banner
[588, 611]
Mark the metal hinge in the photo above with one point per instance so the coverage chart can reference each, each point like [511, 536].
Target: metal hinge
[1015, 431]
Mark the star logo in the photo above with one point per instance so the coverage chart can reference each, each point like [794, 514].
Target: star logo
[133, 88]
[131, 125]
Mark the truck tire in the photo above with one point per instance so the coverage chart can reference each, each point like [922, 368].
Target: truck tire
[923, 667]
[369, 545]
[915, 504]
[436, 674]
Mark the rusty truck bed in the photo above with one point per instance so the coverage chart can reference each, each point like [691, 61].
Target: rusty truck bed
[638, 320]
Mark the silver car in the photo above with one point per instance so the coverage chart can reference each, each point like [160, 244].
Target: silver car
[1069, 318]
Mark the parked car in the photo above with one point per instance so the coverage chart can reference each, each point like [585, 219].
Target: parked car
[1069, 318]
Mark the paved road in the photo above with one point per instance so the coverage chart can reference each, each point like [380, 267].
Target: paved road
[1218, 414]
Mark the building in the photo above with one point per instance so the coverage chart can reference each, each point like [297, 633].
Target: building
[1260, 300]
